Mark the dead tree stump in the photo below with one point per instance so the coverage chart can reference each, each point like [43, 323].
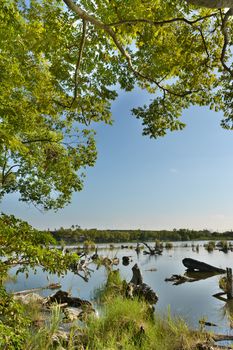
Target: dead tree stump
[136, 287]
[229, 283]
[137, 276]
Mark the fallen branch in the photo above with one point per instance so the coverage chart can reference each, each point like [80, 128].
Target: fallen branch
[27, 291]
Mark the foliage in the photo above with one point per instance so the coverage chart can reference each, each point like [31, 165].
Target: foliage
[25, 247]
[223, 283]
[42, 143]
[44, 337]
[77, 235]
[210, 246]
[223, 245]
[168, 245]
[88, 244]
[60, 67]
[13, 322]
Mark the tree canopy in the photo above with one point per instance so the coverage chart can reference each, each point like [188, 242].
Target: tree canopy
[61, 64]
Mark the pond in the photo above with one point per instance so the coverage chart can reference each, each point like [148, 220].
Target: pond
[191, 301]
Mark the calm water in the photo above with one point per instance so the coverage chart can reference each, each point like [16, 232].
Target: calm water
[191, 301]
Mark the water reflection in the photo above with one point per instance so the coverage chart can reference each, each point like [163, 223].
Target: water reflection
[192, 301]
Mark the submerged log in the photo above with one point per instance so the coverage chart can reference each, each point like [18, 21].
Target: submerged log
[178, 279]
[193, 264]
[126, 260]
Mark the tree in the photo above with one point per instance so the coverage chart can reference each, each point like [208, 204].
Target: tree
[60, 64]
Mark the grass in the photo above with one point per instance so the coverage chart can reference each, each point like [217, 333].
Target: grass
[131, 324]
[210, 246]
[124, 324]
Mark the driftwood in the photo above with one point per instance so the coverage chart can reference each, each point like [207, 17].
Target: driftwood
[211, 346]
[33, 290]
[221, 337]
[136, 287]
[152, 251]
[178, 279]
[193, 265]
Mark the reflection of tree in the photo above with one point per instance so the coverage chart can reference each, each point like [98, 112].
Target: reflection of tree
[149, 259]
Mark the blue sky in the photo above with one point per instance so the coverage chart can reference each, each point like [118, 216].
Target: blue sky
[184, 180]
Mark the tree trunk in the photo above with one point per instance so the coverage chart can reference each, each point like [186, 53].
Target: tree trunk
[193, 264]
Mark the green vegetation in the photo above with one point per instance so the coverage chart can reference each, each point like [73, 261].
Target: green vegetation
[76, 235]
[168, 245]
[223, 245]
[129, 324]
[26, 248]
[210, 246]
[89, 244]
[60, 64]
[123, 324]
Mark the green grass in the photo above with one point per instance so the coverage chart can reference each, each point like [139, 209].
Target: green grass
[131, 324]
[124, 324]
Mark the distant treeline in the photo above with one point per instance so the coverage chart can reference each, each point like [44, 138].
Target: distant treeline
[76, 235]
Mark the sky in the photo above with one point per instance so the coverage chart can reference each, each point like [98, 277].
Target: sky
[183, 180]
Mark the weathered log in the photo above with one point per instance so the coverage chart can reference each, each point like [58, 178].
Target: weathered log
[178, 279]
[221, 337]
[193, 264]
[33, 290]
[62, 297]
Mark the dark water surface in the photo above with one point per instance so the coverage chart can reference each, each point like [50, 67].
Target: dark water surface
[192, 301]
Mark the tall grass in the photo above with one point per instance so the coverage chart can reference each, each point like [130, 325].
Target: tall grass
[131, 324]
[124, 324]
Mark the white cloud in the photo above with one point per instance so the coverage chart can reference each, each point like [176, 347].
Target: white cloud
[173, 170]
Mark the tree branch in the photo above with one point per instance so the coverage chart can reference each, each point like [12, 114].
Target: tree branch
[226, 40]
[213, 4]
[205, 46]
[82, 43]
[9, 170]
[157, 23]
[107, 28]
[39, 140]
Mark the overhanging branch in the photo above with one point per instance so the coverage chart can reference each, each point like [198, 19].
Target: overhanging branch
[226, 40]
[107, 28]
[160, 23]
[213, 4]
[78, 64]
